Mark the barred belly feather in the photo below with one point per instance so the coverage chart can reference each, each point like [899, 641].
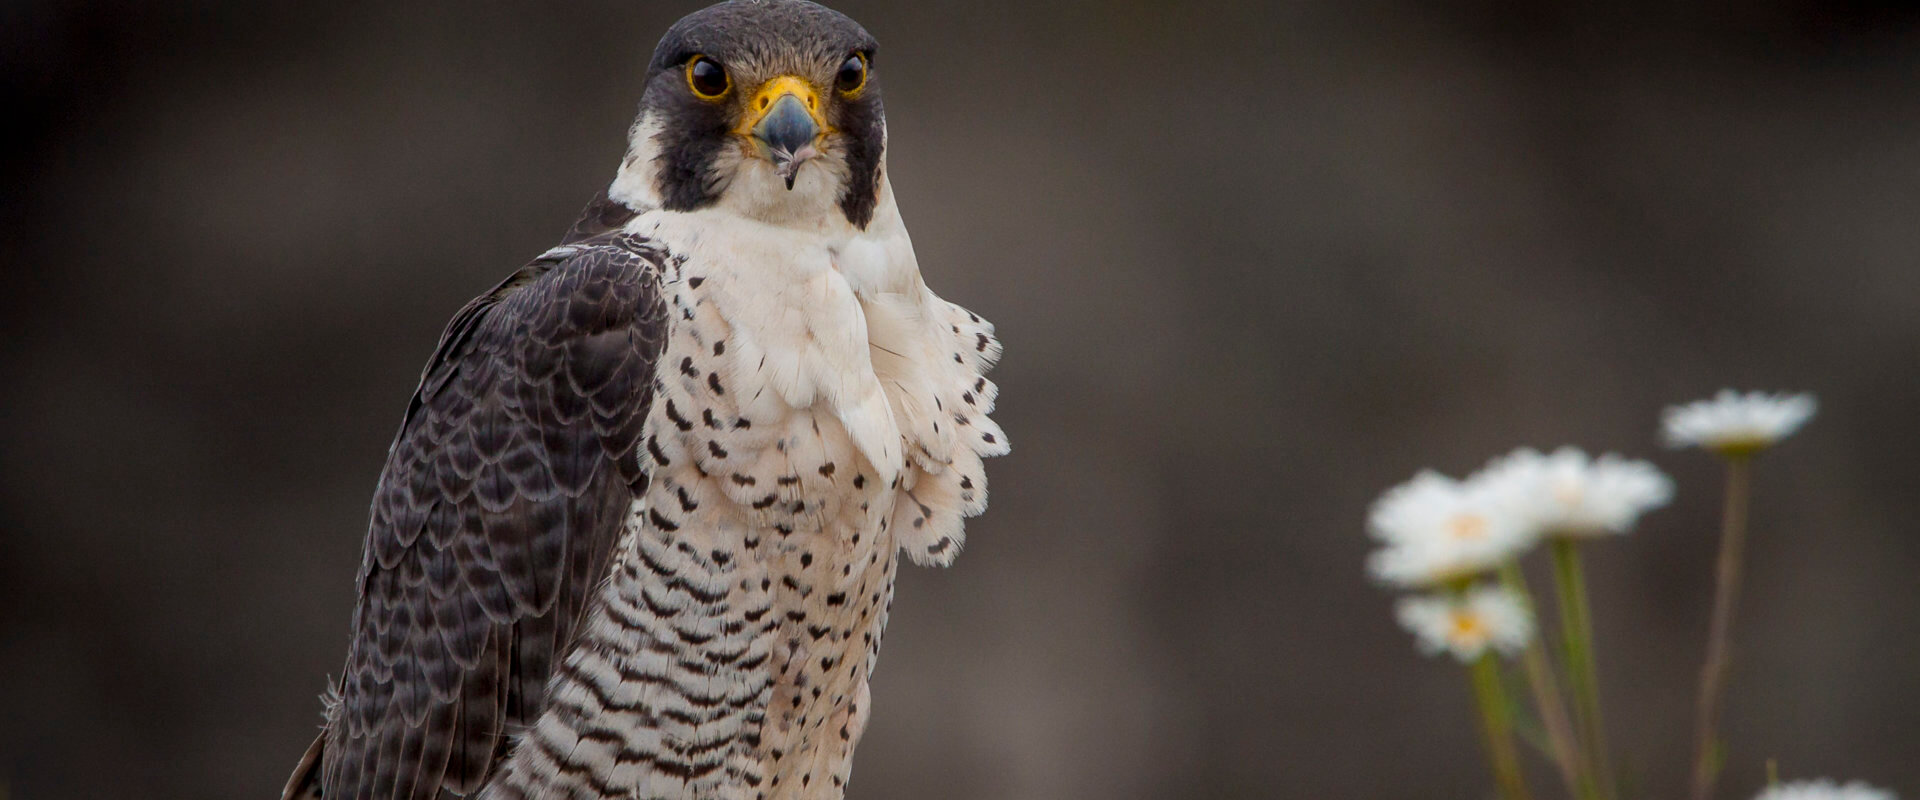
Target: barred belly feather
[818, 410]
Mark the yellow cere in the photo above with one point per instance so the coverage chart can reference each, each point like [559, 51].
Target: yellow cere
[771, 92]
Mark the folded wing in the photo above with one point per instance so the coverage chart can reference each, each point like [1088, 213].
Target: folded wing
[500, 503]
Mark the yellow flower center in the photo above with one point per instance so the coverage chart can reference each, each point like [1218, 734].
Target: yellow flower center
[1467, 527]
[1568, 493]
[1467, 628]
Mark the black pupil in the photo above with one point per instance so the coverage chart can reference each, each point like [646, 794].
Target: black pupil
[708, 77]
[852, 72]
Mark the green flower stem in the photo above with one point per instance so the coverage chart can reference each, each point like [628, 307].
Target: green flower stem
[1576, 629]
[1497, 729]
[1547, 700]
[1713, 675]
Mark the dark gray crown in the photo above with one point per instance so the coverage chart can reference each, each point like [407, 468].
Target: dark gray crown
[762, 32]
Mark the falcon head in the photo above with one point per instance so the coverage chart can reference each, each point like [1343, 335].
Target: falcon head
[770, 108]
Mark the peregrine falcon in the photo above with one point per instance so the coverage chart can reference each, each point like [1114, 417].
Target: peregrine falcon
[638, 532]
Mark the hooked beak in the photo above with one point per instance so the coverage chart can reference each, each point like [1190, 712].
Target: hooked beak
[785, 123]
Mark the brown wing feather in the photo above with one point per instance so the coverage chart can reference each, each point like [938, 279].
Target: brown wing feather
[499, 506]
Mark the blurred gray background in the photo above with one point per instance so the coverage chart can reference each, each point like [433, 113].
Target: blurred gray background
[1252, 264]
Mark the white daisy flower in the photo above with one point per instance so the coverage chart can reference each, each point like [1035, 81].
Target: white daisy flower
[1823, 789]
[1569, 494]
[1733, 424]
[1469, 624]
[1439, 530]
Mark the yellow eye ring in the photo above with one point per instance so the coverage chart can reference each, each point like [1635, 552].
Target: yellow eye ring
[707, 79]
[852, 75]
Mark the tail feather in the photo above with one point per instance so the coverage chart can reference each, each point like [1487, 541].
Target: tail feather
[305, 783]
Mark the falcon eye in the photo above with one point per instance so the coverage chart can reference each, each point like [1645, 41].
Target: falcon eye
[852, 76]
[707, 78]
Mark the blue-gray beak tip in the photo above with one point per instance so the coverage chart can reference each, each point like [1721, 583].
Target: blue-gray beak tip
[787, 128]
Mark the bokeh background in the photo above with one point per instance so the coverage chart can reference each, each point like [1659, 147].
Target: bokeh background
[1252, 264]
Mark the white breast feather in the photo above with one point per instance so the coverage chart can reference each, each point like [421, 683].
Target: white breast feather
[843, 320]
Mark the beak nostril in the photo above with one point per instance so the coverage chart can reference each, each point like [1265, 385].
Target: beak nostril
[763, 103]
